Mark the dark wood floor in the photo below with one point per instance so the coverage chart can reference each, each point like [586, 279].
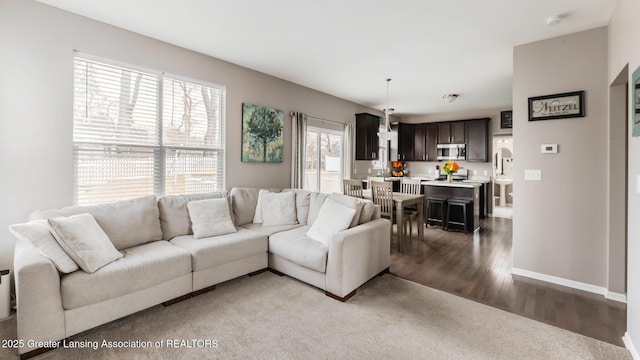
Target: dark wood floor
[478, 267]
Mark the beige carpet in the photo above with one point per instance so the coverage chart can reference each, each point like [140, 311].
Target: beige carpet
[267, 316]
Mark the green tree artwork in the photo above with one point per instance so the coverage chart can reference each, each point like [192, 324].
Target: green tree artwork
[261, 133]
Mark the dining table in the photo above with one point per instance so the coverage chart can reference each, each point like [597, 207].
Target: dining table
[402, 201]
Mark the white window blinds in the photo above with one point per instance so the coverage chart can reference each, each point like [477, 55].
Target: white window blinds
[125, 145]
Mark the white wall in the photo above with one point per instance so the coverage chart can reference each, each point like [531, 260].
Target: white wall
[624, 37]
[559, 226]
[38, 44]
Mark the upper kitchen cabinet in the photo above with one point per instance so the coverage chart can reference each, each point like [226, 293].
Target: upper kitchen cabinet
[367, 145]
[451, 132]
[424, 142]
[478, 140]
[406, 142]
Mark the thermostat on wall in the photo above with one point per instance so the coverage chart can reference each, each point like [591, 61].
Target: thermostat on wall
[549, 148]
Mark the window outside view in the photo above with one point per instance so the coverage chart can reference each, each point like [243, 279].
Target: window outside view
[125, 146]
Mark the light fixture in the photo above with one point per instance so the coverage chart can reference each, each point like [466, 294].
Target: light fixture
[387, 134]
[450, 97]
[554, 20]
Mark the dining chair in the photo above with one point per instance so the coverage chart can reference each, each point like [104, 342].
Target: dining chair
[382, 195]
[352, 188]
[410, 186]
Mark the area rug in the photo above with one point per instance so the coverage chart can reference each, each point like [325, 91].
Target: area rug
[272, 317]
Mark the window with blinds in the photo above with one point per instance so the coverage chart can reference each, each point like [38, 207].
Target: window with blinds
[137, 133]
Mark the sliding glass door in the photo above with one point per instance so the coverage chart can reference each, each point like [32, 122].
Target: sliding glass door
[324, 160]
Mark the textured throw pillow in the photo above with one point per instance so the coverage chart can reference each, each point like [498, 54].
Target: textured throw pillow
[332, 218]
[279, 209]
[210, 217]
[38, 233]
[84, 241]
[257, 216]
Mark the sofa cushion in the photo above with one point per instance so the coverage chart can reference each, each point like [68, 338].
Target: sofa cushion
[315, 204]
[368, 211]
[127, 223]
[295, 246]
[141, 267]
[210, 217]
[244, 202]
[222, 249]
[269, 230]
[303, 201]
[83, 240]
[333, 218]
[174, 217]
[279, 209]
[39, 234]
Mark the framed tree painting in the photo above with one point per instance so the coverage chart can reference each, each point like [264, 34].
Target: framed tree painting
[262, 139]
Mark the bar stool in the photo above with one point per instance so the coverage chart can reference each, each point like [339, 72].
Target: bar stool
[431, 201]
[451, 204]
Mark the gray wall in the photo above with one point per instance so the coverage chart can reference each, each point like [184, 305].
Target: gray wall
[624, 37]
[559, 226]
[38, 44]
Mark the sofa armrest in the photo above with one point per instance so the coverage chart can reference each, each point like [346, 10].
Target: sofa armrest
[40, 313]
[356, 255]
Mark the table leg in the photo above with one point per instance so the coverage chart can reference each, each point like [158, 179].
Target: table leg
[421, 220]
[400, 224]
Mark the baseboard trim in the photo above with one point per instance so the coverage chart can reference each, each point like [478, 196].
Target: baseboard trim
[572, 284]
[616, 296]
[628, 343]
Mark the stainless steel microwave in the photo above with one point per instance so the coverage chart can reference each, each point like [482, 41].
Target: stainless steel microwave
[451, 151]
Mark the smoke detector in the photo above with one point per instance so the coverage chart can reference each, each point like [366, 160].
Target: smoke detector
[450, 97]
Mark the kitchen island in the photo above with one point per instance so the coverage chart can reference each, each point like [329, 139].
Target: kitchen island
[455, 190]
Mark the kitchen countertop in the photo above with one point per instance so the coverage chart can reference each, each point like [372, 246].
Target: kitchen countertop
[452, 184]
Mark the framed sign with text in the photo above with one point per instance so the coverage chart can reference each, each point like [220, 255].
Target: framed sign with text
[557, 106]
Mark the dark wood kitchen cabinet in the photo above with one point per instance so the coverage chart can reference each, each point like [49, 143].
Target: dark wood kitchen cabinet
[406, 141]
[425, 141]
[478, 140]
[367, 145]
[452, 132]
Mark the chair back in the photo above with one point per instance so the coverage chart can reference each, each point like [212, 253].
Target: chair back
[382, 195]
[352, 188]
[410, 186]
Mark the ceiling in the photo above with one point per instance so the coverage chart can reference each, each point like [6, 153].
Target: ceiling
[349, 48]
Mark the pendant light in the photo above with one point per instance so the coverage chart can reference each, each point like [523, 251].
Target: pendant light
[387, 134]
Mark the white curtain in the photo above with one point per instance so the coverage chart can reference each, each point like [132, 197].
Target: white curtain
[347, 151]
[299, 134]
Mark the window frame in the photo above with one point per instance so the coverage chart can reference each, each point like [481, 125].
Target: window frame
[159, 149]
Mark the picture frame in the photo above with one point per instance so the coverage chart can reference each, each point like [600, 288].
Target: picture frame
[557, 106]
[262, 138]
[506, 119]
[635, 104]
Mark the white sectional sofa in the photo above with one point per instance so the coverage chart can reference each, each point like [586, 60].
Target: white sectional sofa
[162, 261]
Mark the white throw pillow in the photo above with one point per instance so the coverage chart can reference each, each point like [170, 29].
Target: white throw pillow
[39, 234]
[333, 218]
[352, 202]
[210, 217]
[257, 216]
[84, 241]
[279, 209]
